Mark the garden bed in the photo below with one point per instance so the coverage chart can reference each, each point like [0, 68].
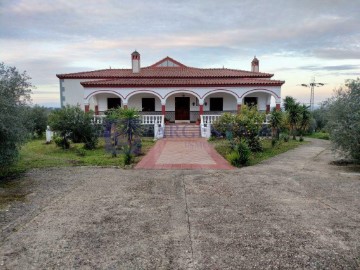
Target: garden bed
[223, 147]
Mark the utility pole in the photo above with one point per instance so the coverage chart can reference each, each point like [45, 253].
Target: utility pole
[312, 85]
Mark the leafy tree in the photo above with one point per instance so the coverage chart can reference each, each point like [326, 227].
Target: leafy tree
[343, 116]
[293, 113]
[304, 119]
[15, 90]
[320, 117]
[248, 124]
[276, 119]
[38, 118]
[245, 125]
[71, 122]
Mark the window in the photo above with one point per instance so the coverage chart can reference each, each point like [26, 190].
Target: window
[216, 104]
[251, 101]
[113, 103]
[148, 104]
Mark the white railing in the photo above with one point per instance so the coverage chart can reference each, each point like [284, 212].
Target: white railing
[152, 119]
[267, 119]
[99, 119]
[209, 119]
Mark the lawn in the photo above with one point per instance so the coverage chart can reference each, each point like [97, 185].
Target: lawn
[38, 154]
[319, 135]
[222, 146]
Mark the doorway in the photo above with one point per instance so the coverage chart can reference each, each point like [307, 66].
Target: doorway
[182, 108]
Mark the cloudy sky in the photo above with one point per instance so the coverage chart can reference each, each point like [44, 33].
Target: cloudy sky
[295, 40]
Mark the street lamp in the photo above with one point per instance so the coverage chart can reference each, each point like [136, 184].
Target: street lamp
[312, 85]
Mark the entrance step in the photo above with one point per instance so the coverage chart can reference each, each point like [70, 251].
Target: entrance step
[182, 131]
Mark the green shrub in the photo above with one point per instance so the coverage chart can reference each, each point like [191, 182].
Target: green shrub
[274, 142]
[244, 152]
[62, 143]
[284, 137]
[81, 152]
[224, 123]
[71, 122]
[234, 158]
[255, 144]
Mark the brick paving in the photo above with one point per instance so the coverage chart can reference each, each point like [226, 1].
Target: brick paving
[183, 153]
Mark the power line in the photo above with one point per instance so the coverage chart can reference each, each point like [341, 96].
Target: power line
[312, 85]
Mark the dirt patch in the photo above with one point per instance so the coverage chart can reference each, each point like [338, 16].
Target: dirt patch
[294, 211]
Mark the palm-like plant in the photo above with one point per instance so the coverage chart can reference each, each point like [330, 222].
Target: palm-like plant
[276, 119]
[304, 119]
[129, 124]
[293, 112]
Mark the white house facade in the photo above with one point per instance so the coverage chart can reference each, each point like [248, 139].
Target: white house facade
[170, 89]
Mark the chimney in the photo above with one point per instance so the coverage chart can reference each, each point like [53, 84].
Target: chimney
[255, 65]
[135, 62]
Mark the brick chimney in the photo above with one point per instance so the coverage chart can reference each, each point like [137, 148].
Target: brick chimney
[135, 62]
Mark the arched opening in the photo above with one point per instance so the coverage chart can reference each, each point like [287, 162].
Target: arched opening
[260, 98]
[145, 102]
[219, 102]
[101, 101]
[182, 106]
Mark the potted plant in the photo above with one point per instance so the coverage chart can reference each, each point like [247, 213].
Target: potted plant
[198, 121]
[167, 121]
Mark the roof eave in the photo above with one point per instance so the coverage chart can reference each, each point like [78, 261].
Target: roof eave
[88, 85]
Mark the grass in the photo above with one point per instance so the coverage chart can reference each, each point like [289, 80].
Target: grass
[319, 135]
[37, 154]
[222, 146]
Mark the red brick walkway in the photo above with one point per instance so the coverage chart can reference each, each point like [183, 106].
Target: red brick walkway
[183, 153]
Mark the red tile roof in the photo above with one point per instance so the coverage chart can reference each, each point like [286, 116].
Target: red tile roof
[154, 71]
[167, 72]
[170, 82]
[163, 76]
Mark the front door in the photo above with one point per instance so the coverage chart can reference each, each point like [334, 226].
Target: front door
[182, 108]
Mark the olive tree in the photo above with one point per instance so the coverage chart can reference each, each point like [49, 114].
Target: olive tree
[15, 90]
[343, 116]
[72, 123]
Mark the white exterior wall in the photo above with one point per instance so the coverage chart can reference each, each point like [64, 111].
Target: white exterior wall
[72, 92]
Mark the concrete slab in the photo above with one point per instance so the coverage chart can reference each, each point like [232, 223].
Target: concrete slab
[294, 211]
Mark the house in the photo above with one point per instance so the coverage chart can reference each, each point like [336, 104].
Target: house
[171, 89]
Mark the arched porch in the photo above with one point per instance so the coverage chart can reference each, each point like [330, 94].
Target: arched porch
[101, 101]
[182, 106]
[146, 102]
[262, 99]
[219, 102]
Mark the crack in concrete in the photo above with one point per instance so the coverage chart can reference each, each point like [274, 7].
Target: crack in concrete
[188, 220]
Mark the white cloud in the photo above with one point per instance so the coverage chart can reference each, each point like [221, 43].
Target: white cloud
[49, 37]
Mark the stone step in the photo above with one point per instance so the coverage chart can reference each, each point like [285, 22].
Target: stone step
[182, 131]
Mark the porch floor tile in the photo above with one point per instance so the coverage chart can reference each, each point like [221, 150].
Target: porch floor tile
[183, 153]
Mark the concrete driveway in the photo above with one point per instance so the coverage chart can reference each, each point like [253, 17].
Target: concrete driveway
[293, 211]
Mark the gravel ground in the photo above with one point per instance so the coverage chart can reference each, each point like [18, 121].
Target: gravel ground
[293, 211]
